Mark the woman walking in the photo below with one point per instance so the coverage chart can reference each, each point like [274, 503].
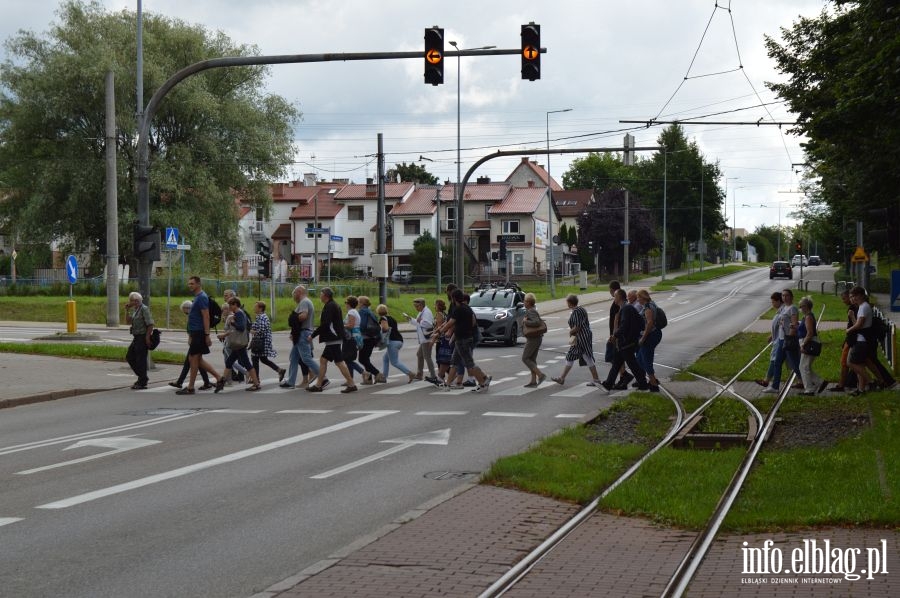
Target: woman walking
[368, 322]
[581, 342]
[776, 356]
[394, 344]
[532, 321]
[808, 333]
[262, 348]
[650, 337]
[355, 342]
[444, 349]
[236, 337]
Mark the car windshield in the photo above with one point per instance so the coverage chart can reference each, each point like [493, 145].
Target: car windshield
[492, 299]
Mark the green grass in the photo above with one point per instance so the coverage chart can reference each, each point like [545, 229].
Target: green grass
[709, 272]
[84, 351]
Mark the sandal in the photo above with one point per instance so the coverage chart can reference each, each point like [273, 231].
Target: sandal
[761, 382]
[253, 388]
[558, 380]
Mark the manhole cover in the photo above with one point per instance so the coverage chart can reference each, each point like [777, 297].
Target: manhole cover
[450, 475]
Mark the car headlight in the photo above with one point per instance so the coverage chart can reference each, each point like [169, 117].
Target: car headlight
[501, 316]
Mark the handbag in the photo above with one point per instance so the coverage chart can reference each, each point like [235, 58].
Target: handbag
[258, 344]
[610, 355]
[155, 337]
[535, 331]
[813, 348]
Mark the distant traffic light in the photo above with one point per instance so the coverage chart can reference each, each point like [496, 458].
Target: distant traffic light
[434, 55]
[531, 51]
[798, 246]
[264, 264]
[502, 254]
[147, 242]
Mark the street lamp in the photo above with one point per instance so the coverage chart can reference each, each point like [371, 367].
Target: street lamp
[550, 245]
[459, 203]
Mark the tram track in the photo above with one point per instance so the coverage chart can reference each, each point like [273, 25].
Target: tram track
[693, 557]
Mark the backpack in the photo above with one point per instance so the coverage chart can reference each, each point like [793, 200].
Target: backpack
[215, 313]
[660, 320]
[371, 329]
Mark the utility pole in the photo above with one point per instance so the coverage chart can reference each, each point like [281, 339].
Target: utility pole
[112, 206]
[382, 241]
[628, 159]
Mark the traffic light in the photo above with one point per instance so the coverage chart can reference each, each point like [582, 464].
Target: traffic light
[264, 265]
[502, 254]
[147, 243]
[434, 55]
[531, 51]
[798, 246]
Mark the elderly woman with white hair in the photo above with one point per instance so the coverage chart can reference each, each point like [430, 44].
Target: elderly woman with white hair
[140, 321]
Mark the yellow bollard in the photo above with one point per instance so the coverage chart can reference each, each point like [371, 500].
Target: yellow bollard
[71, 321]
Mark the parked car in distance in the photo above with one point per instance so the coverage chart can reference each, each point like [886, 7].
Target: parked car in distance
[780, 269]
[402, 273]
[499, 313]
[815, 260]
[798, 260]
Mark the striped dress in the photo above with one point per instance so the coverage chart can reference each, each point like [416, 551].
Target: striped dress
[584, 340]
[262, 327]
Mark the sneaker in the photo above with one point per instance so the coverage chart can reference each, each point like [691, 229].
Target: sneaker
[285, 385]
[348, 389]
[207, 386]
[367, 381]
[558, 380]
[380, 379]
[478, 388]
[470, 383]
[325, 384]
[761, 382]
[622, 385]
[609, 387]
[219, 386]
[531, 385]
[314, 388]
[431, 379]
[654, 387]
[596, 383]
[770, 390]
[185, 391]
[138, 386]
[625, 379]
[857, 392]
[487, 381]
[456, 387]
[281, 373]
[643, 386]
[541, 379]
[174, 385]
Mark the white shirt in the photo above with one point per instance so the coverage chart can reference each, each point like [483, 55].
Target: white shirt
[424, 323]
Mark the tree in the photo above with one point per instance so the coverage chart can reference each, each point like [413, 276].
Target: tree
[842, 85]
[424, 254]
[215, 139]
[598, 172]
[563, 233]
[413, 173]
[603, 224]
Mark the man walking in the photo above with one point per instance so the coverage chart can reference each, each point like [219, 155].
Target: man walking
[331, 333]
[462, 327]
[302, 320]
[626, 337]
[424, 323]
[138, 316]
[198, 334]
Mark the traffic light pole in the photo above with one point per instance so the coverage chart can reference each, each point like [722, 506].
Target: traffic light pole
[143, 146]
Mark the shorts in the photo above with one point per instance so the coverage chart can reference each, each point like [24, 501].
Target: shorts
[197, 344]
[333, 353]
[859, 353]
[463, 350]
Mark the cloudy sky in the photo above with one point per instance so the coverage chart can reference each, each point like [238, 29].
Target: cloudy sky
[607, 61]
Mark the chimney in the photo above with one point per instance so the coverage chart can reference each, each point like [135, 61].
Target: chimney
[525, 160]
[483, 180]
[309, 179]
[370, 181]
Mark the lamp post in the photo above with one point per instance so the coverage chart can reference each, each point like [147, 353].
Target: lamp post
[550, 245]
[459, 202]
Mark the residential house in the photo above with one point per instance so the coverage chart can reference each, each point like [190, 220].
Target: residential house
[529, 173]
[572, 204]
[411, 218]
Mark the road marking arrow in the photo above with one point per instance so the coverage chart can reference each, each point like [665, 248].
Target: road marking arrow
[441, 437]
[119, 444]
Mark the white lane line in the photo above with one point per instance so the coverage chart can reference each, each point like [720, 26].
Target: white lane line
[524, 373]
[507, 414]
[305, 411]
[182, 471]
[117, 444]
[238, 411]
[441, 413]
[502, 380]
[435, 437]
[515, 391]
[402, 390]
[487, 359]
[570, 416]
[577, 391]
[63, 439]
[8, 520]
[508, 356]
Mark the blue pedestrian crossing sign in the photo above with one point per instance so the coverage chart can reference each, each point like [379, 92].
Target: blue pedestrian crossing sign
[171, 237]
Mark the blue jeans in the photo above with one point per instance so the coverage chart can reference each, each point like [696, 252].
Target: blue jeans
[392, 357]
[774, 371]
[647, 351]
[301, 351]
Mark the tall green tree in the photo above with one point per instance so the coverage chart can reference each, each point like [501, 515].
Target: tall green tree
[598, 172]
[842, 81]
[216, 137]
[603, 224]
[411, 172]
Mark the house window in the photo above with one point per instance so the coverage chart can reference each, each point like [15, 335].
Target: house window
[356, 213]
[510, 227]
[450, 212]
[411, 227]
[356, 246]
[487, 211]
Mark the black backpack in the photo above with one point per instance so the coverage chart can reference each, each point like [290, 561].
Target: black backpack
[215, 313]
[372, 329]
[660, 320]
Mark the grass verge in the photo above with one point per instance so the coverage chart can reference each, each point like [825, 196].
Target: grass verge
[84, 351]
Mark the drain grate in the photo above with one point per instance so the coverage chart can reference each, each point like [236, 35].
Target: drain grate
[450, 475]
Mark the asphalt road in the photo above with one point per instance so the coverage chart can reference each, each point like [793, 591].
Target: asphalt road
[126, 493]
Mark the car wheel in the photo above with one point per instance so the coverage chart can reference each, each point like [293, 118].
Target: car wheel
[513, 337]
